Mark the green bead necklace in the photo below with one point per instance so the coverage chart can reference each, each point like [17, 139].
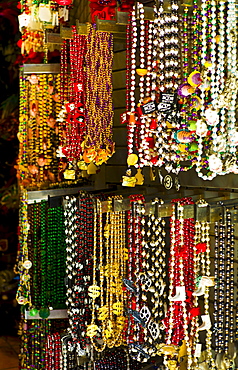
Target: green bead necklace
[43, 254]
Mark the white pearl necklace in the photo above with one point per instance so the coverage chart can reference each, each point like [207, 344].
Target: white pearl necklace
[133, 59]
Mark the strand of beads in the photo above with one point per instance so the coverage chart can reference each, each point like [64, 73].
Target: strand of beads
[117, 268]
[64, 80]
[221, 297]
[55, 257]
[95, 291]
[161, 131]
[131, 86]
[53, 352]
[40, 131]
[217, 140]
[186, 146]
[60, 257]
[75, 127]
[109, 255]
[216, 290]
[220, 83]
[22, 132]
[70, 209]
[142, 71]
[33, 351]
[153, 279]
[84, 255]
[232, 72]
[135, 335]
[194, 321]
[48, 272]
[204, 282]
[42, 244]
[229, 319]
[181, 276]
[98, 145]
[224, 290]
[23, 295]
[209, 283]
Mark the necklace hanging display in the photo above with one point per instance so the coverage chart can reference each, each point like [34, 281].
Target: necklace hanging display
[46, 244]
[224, 291]
[38, 163]
[204, 282]
[218, 116]
[23, 265]
[138, 315]
[98, 145]
[108, 290]
[198, 127]
[153, 278]
[185, 137]
[181, 283]
[70, 210]
[75, 126]
[53, 352]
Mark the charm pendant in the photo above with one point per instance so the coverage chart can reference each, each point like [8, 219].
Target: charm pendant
[139, 177]
[145, 314]
[168, 182]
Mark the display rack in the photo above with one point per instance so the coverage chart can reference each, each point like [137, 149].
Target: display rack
[54, 314]
[38, 195]
[41, 68]
[210, 210]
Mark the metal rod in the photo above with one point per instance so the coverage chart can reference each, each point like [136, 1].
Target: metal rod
[54, 314]
[41, 68]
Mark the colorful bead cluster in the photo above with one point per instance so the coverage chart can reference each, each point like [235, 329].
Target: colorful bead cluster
[66, 119]
[186, 116]
[132, 279]
[40, 344]
[46, 250]
[136, 287]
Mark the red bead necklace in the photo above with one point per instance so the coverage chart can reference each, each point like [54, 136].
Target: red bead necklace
[134, 265]
[75, 108]
[181, 274]
[53, 355]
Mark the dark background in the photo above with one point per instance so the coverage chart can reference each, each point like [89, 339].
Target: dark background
[9, 67]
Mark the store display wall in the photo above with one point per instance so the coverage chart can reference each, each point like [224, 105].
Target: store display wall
[149, 269]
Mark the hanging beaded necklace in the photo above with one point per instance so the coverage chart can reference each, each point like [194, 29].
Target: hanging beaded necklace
[135, 330]
[23, 295]
[53, 358]
[55, 257]
[98, 144]
[22, 134]
[180, 283]
[75, 127]
[110, 239]
[85, 262]
[153, 278]
[224, 290]
[204, 281]
[38, 164]
[70, 233]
